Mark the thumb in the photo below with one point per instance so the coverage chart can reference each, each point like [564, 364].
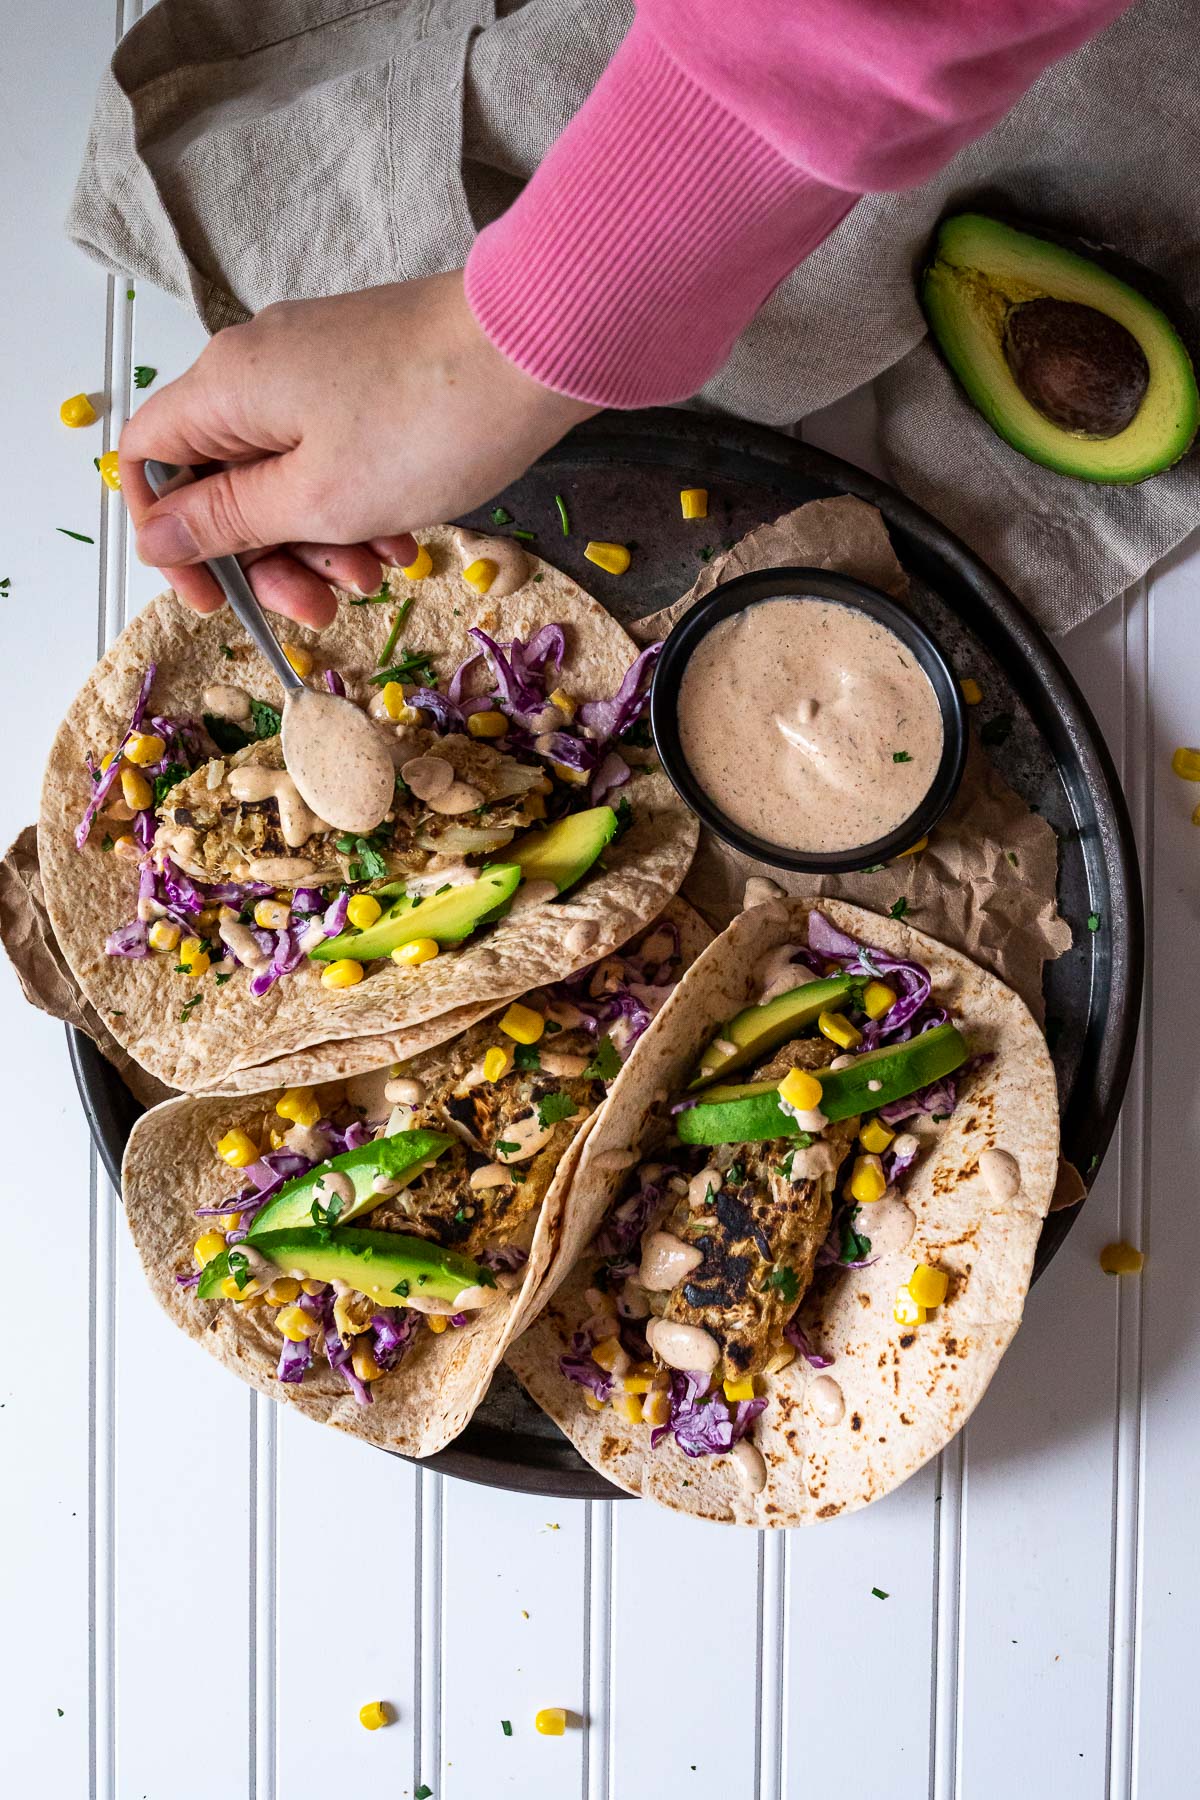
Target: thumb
[247, 507]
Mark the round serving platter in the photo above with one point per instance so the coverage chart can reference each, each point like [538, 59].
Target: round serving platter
[619, 476]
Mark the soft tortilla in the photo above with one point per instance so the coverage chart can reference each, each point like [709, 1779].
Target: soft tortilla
[170, 1169]
[89, 893]
[906, 1391]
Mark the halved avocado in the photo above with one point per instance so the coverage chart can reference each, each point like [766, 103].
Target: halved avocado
[400, 1158]
[448, 918]
[565, 851]
[760, 1028]
[751, 1113]
[1067, 362]
[384, 1265]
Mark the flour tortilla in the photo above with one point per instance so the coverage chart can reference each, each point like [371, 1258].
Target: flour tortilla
[906, 1391]
[170, 1169]
[89, 893]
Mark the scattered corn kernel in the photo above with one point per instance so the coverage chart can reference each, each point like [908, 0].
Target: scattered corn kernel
[436, 1321]
[136, 789]
[193, 957]
[282, 1290]
[238, 1149]
[294, 1323]
[906, 1310]
[782, 1358]
[272, 915]
[607, 1352]
[1121, 1259]
[419, 567]
[922, 843]
[419, 950]
[838, 1029]
[878, 998]
[343, 974]
[693, 503]
[144, 747]
[656, 1408]
[524, 1023]
[363, 1359]
[486, 724]
[480, 574]
[208, 1245]
[1186, 763]
[875, 1136]
[801, 1090]
[363, 910]
[78, 410]
[374, 1714]
[972, 693]
[628, 1407]
[110, 470]
[867, 1180]
[300, 659]
[394, 703]
[928, 1286]
[739, 1390]
[497, 1062]
[564, 702]
[613, 557]
[164, 935]
[551, 1721]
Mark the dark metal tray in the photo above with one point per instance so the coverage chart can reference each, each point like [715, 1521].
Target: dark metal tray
[620, 476]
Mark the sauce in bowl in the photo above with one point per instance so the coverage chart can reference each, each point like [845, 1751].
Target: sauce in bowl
[809, 723]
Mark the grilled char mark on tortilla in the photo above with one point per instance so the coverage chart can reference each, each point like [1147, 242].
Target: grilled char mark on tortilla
[759, 1223]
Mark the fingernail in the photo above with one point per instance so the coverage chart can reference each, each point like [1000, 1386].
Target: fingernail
[166, 541]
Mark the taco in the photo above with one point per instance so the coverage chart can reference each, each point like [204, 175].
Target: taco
[216, 924]
[846, 1139]
[385, 1238]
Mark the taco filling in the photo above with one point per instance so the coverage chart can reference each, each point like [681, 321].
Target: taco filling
[767, 1187]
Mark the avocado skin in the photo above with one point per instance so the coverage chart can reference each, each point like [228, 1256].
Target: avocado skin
[447, 918]
[327, 1255]
[758, 1029]
[406, 1154]
[982, 275]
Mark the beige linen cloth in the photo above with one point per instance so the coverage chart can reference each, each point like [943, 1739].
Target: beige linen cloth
[247, 153]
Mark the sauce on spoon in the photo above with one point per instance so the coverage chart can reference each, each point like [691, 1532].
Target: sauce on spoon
[338, 759]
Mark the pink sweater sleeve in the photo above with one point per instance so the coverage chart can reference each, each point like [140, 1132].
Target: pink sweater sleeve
[724, 141]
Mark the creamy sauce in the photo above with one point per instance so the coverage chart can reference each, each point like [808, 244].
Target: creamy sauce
[698, 1188]
[227, 702]
[491, 1175]
[889, 1225]
[564, 1063]
[792, 715]
[404, 1090]
[338, 760]
[683, 1346]
[331, 1183]
[827, 1400]
[432, 780]
[297, 822]
[1001, 1173]
[666, 1260]
[523, 1140]
[748, 1460]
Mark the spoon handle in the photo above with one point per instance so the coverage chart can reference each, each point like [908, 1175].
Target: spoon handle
[165, 478]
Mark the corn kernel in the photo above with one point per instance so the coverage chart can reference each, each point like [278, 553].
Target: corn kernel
[363, 910]
[110, 470]
[613, 557]
[136, 789]
[164, 935]
[565, 704]
[971, 691]
[300, 659]
[592, 1403]
[739, 1390]
[363, 1359]
[78, 410]
[875, 1136]
[436, 1321]
[419, 567]
[656, 1408]
[575, 777]
[693, 503]
[419, 950]
[523, 1023]
[144, 747]
[394, 703]
[374, 1714]
[231, 1221]
[282, 1290]
[928, 1286]
[1186, 763]
[922, 843]
[878, 999]
[551, 1721]
[272, 915]
[867, 1180]
[294, 1323]
[1121, 1259]
[208, 1245]
[238, 1149]
[480, 574]
[252, 1290]
[312, 1287]
[838, 1029]
[193, 957]
[906, 1310]
[486, 724]
[497, 1062]
[343, 974]
[607, 1353]
[277, 1137]
[127, 846]
[106, 760]
[635, 1384]
[627, 1407]
[801, 1090]
[784, 1356]
[535, 806]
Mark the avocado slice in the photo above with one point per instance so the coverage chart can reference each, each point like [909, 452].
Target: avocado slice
[448, 917]
[1067, 362]
[752, 1114]
[758, 1029]
[565, 851]
[401, 1157]
[385, 1265]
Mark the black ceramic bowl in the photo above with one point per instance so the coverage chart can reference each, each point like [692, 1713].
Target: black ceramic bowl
[774, 584]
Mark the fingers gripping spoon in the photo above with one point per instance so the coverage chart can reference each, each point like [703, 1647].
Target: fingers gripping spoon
[333, 752]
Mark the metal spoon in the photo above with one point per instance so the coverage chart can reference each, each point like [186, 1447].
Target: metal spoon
[333, 752]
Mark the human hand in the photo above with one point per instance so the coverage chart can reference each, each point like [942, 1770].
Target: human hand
[345, 425]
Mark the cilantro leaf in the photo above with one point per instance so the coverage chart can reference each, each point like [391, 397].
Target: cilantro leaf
[168, 778]
[624, 814]
[1093, 921]
[267, 719]
[499, 516]
[77, 535]
[239, 1267]
[898, 908]
[189, 1006]
[401, 1288]
[506, 1727]
[504, 1148]
[373, 865]
[526, 1056]
[901, 756]
[225, 734]
[552, 1108]
[227, 652]
[414, 667]
[107, 841]
[606, 1064]
[143, 376]
[785, 1282]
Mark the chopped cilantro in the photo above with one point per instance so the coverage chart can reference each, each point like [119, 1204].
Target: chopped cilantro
[552, 1025]
[786, 1284]
[499, 516]
[854, 1245]
[506, 1727]
[554, 1107]
[129, 293]
[423, 1793]
[415, 667]
[401, 1288]
[460, 1217]
[168, 778]
[606, 1064]
[267, 719]
[189, 1006]
[385, 593]
[995, 731]
[222, 979]
[394, 633]
[901, 756]
[735, 1173]
[5, 584]
[526, 1056]
[564, 519]
[1093, 921]
[77, 535]
[539, 577]
[106, 842]
[879, 1593]
[706, 555]
[326, 1215]
[1012, 857]
[784, 1169]
[874, 868]
[624, 814]
[239, 1267]
[227, 652]
[374, 867]
[506, 1149]
[638, 734]
[527, 537]
[898, 908]
[143, 375]
[939, 1118]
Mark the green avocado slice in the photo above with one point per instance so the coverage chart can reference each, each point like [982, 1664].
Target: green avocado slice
[752, 1114]
[565, 851]
[760, 1028]
[1015, 316]
[401, 1158]
[448, 917]
[384, 1265]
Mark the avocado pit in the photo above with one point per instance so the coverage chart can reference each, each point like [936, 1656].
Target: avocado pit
[1080, 368]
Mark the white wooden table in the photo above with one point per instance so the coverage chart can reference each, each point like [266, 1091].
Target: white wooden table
[199, 1590]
